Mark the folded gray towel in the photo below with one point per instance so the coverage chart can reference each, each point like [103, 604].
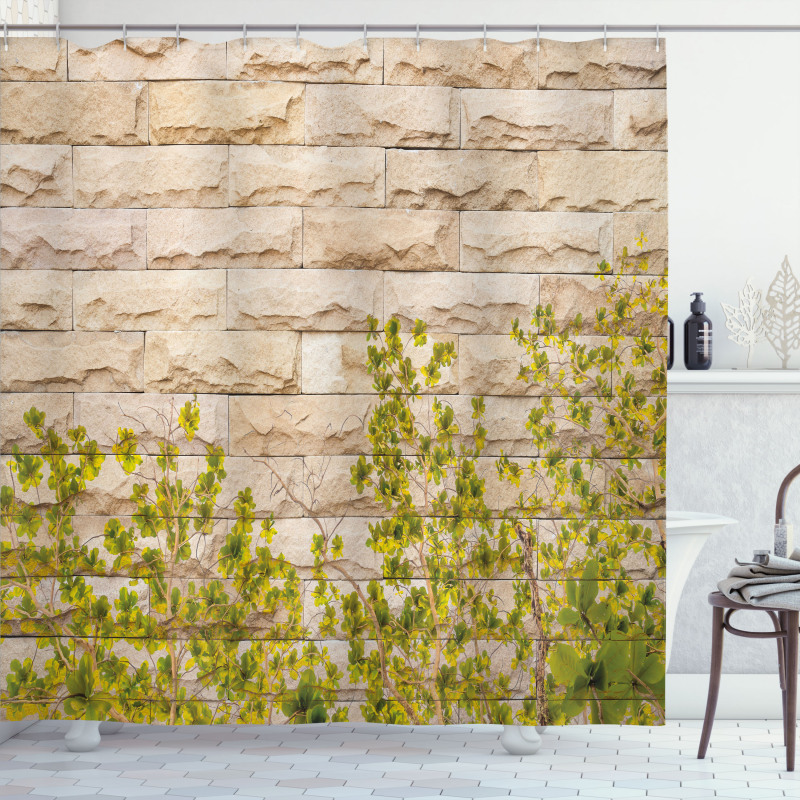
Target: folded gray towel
[775, 584]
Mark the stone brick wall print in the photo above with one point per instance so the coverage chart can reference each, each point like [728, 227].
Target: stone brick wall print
[333, 381]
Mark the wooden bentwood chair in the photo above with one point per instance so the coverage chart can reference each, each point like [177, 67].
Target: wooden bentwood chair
[785, 623]
[786, 633]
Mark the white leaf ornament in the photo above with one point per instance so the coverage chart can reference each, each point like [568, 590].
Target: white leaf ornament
[783, 324]
[747, 323]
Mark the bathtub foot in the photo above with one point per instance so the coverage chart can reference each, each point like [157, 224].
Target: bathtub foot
[520, 740]
[82, 736]
[110, 726]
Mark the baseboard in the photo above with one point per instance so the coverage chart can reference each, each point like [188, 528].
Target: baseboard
[753, 696]
[9, 729]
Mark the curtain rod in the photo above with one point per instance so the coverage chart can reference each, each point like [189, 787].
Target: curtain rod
[426, 28]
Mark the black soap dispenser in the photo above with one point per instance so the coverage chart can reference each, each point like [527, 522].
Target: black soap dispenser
[697, 336]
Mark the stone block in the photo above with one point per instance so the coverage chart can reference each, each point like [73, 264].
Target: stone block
[150, 301]
[20, 648]
[503, 495]
[36, 300]
[461, 62]
[272, 175]
[581, 438]
[628, 228]
[380, 239]
[178, 176]
[540, 242]
[570, 295]
[626, 64]
[224, 238]
[335, 363]
[33, 58]
[460, 302]
[72, 361]
[641, 563]
[640, 119]
[149, 416]
[334, 495]
[57, 408]
[495, 119]
[110, 494]
[461, 180]
[36, 175]
[647, 474]
[226, 112]
[294, 540]
[74, 113]
[337, 424]
[281, 60]
[73, 239]
[646, 376]
[490, 365]
[618, 181]
[382, 116]
[303, 300]
[205, 546]
[504, 420]
[153, 59]
[283, 425]
[222, 362]
[269, 480]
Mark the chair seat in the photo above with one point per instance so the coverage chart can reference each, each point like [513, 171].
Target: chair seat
[723, 601]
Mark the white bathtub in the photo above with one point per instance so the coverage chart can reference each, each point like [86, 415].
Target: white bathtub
[687, 532]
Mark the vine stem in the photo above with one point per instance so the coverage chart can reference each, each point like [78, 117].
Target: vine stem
[542, 644]
[652, 697]
[356, 587]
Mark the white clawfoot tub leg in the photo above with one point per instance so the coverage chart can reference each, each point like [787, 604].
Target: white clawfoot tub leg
[83, 736]
[520, 740]
[110, 726]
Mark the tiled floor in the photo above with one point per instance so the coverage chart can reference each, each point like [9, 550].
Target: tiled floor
[350, 761]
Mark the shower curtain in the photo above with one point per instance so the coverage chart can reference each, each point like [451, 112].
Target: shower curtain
[333, 381]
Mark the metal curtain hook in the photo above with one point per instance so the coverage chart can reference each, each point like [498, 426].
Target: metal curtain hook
[297, 35]
[365, 35]
[418, 37]
[244, 36]
[484, 37]
[605, 37]
[537, 37]
[177, 36]
[658, 39]
[124, 36]
[5, 35]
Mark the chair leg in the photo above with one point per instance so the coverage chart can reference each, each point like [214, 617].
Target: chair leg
[781, 642]
[717, 632]
[790, 717]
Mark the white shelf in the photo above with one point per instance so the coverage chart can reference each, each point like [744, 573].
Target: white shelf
[734, 381]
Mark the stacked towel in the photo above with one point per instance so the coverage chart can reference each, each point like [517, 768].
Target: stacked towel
[775, 584]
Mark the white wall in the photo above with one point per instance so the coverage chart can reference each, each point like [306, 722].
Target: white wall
[734, 173]
[727, 454]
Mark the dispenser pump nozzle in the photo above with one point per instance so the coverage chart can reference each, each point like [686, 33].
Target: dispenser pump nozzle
[697, 306]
